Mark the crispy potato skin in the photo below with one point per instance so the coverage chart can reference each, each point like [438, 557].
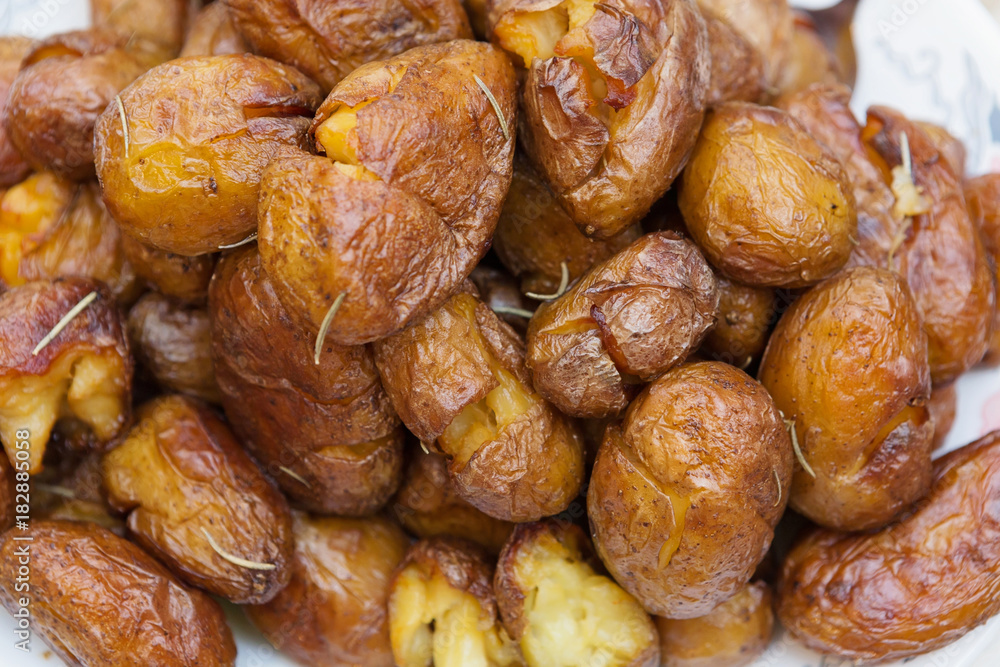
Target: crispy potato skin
[737, 66]
[179, 473]
[628, 320]
[767, 24]
[744, 323]
[982, 195]
[942, 406]
[183, 278]
[733, 634]
[334, 610]
[660, 496]
[160, 23]
[13, 49]
[861, 422]
[98, 600]
[331, 425]
[213, 33]
[809, 60]
[399, 243]
[936, 569]
[767, 203]
[200, 133]
[329, 40]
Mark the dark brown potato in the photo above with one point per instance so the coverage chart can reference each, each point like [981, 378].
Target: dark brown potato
[737, 66]
[27, 211]
[213, 33]
[612, 99]
[71, 485]
[942, 406]
[334, 610]
[457, 377]
[197, 502]
[556, 601]
[98, 600]
[403, 205]
[173, 342]
[8, 493]
[327, 433]
[982, 195]
[84, 373]
[13, 168]
[950, 147]
[766, 24]
[627, 321]
[768, 204]
[809, 60]
[159, 24]
[500, 292]
[744, 322]
[183, 278]
[330, 39]
[847, 366]
[936, 570]
[478, 13]
[180, 161]
[661, 494]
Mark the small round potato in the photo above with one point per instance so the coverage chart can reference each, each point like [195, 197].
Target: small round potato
[983, 197]
[766, 24]
[661, 494]
[744, 323]
[809, 59]
[737, 66]
[769, 205]
[159, 24]
[182, 278]
[213, 33]
[13, 49]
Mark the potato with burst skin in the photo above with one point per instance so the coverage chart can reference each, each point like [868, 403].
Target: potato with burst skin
[737, 66]
[982, 195]
[767, 25]
[744, 323]
[84, 373]
[555, 600]
[334, 610]
[942, 406]
[162, 24]
[936, 569]
[183, 278]
[442, 609]
[768, 204]
[213, 33]
[196, 501]
[181, 167]
[612, 99]
[13, 49]
[327, 433]
[100, 600]
[627, 321]
[661, 494]
[458, 378]
[27, 212]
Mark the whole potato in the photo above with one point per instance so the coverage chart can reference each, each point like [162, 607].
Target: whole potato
[768, 204]
[744, 323]
[612, 99]
[809, 60]
[767, 25]
[847, 366]
[182, 278]
[941, 407]
[213, 33]
[950, 147]
[98, 600]
[913, 587]
[13, 168]
[982, 195]
[737, 65]
[180, 160]
[198, 503]
[162, 24]
[334, 610]
[28, 211]
[661, 494]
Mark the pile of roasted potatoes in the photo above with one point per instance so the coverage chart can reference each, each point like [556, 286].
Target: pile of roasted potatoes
[507, 332]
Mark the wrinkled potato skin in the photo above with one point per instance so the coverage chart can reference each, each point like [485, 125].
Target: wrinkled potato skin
[189, 180]
[99, 600]
[333, 611]
[766, 24]
[162, 23]
[183, 278]
[13, 49]
[733, 634]
[331, 424]
[809, 60]
[936, 569]
[329, 40]
[180, 473]
[632, 318]
[744, 322]
[769, 205]
[173, 342]
[665, 479]
[737, 66]
[213, 34]
[982, 195]
[942, 407]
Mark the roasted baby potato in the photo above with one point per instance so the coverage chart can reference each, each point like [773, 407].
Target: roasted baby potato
[329, 40]
[83, 373]
[71, 486]
[403, 205]
[213, 33]
[173, 342]
[627, 321]
[982, 195]
[744, 322]
[428, 505]
[160, 24]
[768, 25]
[913, 587]
[950, 147]
[941, 407]
[768, 204]
[556, 602]
[612, 99]
[180, 159]
[13, 49]
[737, 72]
[97, 600]
[733, 634]
[442, 610]
[197, 502]
[457, 377]
[8, 493]
[183, 278]
[661, 493]
[501, 293]
[27, 212]
[326, 432]
[334, 610]
[847, 366]
[809, 60]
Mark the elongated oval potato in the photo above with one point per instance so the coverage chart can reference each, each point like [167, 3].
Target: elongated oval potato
[744, 323]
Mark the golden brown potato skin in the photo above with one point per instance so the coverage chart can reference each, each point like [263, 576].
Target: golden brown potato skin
[936, 569]
[330, 425]
[100, 601]
[847, 364]
[627, 321]
[13, 168]
[213, 33]
[181, 476]
[200, 133]
[737, 66]
[161, 24]
[942, 406]
[660, 497]
[950, 147]
[766, 24]
[329, 40]
[183, 278]
[744, 322]
[982, 195]
[733, 634]
[768, 204]
[333, 611]
[809, 60]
